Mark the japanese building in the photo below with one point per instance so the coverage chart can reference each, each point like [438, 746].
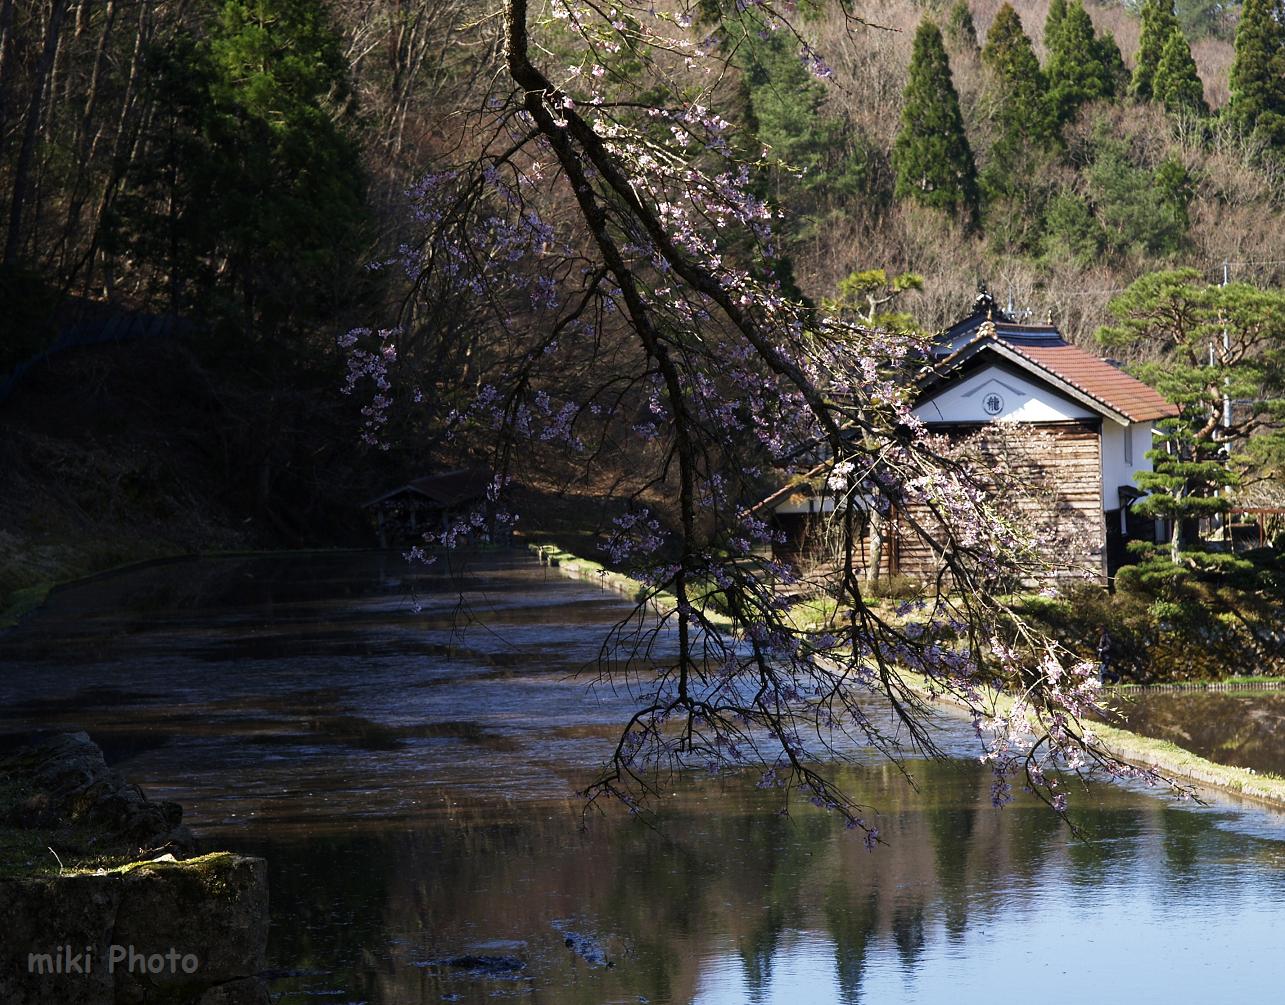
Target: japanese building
[1072, 426]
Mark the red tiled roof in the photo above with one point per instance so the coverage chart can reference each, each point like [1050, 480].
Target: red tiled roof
[1099, 380]
[1042, 350]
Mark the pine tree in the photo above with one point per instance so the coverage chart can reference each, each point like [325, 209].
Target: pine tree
[1076, 70]
[1174, 318]
[1158, 23]
[260, 180]
[1258, 73]
[931, 156]
[961, 32]
[1177, 83]
[1022, 111]
[1026, 136]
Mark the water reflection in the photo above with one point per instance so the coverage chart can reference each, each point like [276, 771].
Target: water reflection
[721, 901]
[1245, 729]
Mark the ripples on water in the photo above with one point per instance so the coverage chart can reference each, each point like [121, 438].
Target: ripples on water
[408, 776]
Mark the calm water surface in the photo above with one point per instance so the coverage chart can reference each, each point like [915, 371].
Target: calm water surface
[410, 776]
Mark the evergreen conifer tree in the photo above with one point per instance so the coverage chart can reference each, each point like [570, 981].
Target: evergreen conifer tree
[1026, 136]
[1258, 73]
[1158, 23]
[1208, 343]
[1022, 110]
[814, 162]
[961, 32]
[931, 156]
[1116, 74]
[1076, 70]
[1177, 83]
[261, 180]
[1053, 22]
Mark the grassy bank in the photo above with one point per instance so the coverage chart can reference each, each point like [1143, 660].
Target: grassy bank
[1161, 756]
[27, 852]
[595, 572]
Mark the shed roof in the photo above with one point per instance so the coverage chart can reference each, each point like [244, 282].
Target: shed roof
[799, 484]
[445, 489]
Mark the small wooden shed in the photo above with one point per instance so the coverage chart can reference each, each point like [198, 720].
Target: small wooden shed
[428, 505]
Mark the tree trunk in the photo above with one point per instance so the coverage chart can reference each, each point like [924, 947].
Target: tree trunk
[22, 181]
[86, 142]
[876, 547]
[6, 63]
[116, 169]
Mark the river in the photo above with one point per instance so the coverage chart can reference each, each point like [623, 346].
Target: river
[403, 745]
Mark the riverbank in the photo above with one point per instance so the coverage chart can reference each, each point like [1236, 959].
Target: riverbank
[575, 567]
[1160, 756]
[103, 464]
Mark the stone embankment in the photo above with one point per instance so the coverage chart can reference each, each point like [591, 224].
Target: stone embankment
[124, 918]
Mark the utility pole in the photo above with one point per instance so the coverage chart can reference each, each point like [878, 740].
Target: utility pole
[1226, 353]
[1225, 520]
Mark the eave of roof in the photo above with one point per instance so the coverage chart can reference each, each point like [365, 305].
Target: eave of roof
[1075, 373]
[446, 489]
[789, 488]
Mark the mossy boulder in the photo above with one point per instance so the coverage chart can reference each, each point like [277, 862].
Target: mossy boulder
[161, 933]
[97, 908]
[62, 784]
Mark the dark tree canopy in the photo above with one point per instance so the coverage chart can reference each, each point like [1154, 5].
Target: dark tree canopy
[1081, 67]
[1053, 22]
[1208, 344]
[961, 32]
[814, 166]
[1021, 107]
[931, 155]
[257, 197]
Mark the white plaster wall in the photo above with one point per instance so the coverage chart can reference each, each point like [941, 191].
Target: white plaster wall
[1117, 468]
[805, 504]
[1023, 400]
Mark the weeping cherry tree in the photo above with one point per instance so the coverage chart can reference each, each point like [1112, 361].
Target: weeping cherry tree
[594, 274]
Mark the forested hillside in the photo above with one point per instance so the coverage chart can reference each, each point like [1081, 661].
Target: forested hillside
[241, 163]
[242, 160]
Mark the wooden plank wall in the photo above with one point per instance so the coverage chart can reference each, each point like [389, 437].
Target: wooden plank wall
[1052, 481]
[807, 548]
